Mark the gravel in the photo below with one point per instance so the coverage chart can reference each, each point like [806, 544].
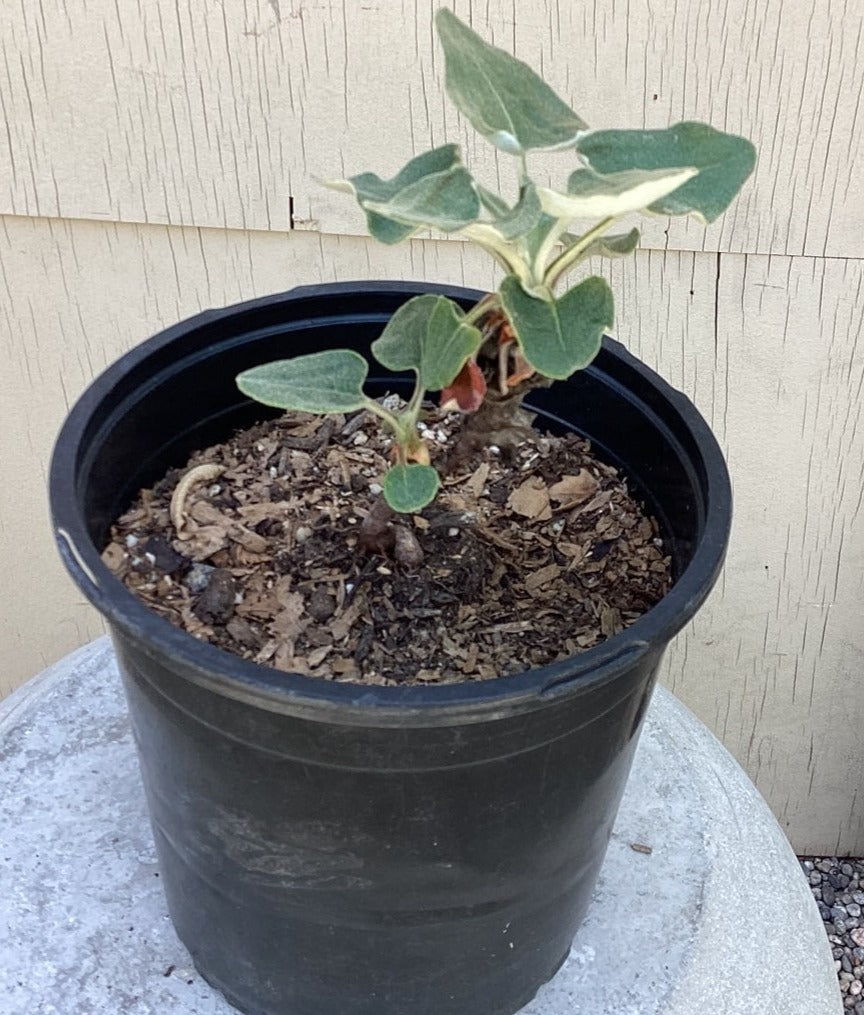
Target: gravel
[838, 888]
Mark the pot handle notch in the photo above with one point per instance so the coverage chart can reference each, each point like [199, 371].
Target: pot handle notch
[622, 657]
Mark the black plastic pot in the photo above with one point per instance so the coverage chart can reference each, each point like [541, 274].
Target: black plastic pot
[333, 849]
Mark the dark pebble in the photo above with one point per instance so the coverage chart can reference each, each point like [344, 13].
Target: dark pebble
[321, 606]
[824, 911]
[165, 557]
[828, 896]
[845, 964]
[216, 603]
[600, 549]
[243, 632]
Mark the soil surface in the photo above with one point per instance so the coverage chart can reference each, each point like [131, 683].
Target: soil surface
[277, 546]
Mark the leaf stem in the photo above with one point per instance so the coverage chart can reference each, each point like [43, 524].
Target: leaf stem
[567, 258]
[481, 307]
[523, 168]
[390, 418]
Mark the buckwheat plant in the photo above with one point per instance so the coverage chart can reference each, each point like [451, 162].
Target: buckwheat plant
[525, 334]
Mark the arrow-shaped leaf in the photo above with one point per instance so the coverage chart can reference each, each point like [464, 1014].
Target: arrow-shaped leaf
[329, 381]
[502, 97]
[563, 335]
[591, 195]
[428, 334]
[723, 161]
[409, 488]
[445, 201]
[432, 189]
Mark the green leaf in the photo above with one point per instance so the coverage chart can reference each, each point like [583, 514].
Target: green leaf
[409, 488]
[445, 201]
[617, 245]
[522, 218]
[428, 334]
[329, 381]
[723, 161]
[420, 186]
[563, 335]
[492, 202]
[533, 241]
[502, 97]
[591, 195]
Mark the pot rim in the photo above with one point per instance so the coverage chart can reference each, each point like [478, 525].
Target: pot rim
[293, 693]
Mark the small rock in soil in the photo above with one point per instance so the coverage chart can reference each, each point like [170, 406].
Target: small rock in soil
[321, 606]
[165, 558]
[216, 603]
[198, 577]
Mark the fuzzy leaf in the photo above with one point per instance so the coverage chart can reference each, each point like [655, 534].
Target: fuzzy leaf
[563, 335]
[523, 217]
[723, 161]
[409, 488]
[502, 97]
[467, 390]
[536, 237]
[594, 196]
[492, 202]
[432, 189]
[428, 334]
[329, 381]
[617, 245]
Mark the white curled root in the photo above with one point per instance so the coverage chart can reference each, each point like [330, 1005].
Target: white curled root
[200, 474]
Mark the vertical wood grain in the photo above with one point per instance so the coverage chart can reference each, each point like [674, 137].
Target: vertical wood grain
[217, 114]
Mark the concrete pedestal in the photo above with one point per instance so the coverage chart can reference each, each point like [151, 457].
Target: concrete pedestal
[700, 907]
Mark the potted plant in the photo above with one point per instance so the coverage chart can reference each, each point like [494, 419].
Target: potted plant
[328, 846]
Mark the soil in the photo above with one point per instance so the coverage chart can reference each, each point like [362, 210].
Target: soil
[277, 546]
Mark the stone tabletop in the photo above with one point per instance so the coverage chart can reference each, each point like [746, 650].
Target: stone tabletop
[700, 906]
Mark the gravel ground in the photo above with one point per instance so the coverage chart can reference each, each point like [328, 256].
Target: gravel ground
[838, 887]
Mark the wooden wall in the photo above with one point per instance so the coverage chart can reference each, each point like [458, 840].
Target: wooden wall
[158, 156]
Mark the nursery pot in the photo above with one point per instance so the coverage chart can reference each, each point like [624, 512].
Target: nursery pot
[334, 849]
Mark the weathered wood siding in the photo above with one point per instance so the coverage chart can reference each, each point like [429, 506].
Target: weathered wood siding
[157, 156]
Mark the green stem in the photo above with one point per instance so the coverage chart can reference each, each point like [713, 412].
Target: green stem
[389, 418]
[571, 255]
[523, 169]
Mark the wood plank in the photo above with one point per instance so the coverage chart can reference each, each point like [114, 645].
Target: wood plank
[156, 112]
[774, 662]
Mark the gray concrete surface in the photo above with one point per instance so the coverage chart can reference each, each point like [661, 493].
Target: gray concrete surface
[716, 918]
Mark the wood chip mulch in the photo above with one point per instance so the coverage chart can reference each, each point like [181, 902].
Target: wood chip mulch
[278, 553]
